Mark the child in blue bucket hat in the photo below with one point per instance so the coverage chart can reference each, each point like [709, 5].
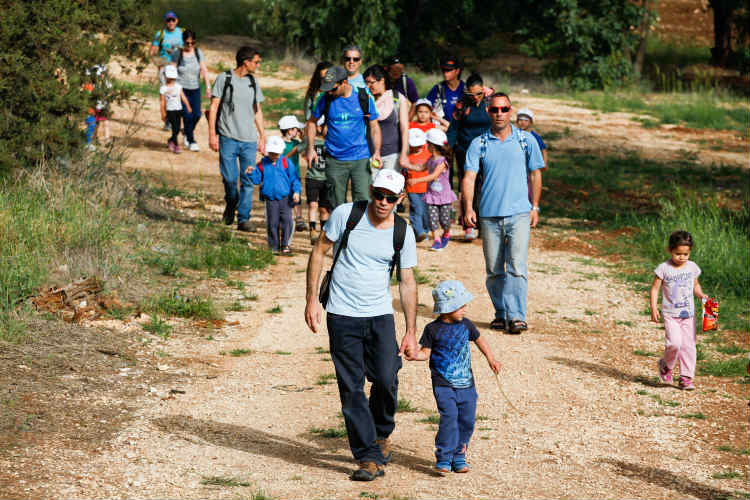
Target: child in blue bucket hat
[445, 343]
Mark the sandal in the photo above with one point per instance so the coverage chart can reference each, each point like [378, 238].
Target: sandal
[498, 324]
[517, 326]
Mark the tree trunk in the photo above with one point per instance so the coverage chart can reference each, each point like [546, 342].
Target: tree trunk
[722, 49]
[643, 31]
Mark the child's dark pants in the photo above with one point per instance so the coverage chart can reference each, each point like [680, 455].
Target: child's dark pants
[279, 213]
[366, 347]
[457, 409]
[174, 117]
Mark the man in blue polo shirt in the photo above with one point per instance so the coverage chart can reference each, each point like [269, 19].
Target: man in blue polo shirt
[509, 158]
[347, 151]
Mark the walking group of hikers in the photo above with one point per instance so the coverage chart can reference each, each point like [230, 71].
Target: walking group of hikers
[371, 131]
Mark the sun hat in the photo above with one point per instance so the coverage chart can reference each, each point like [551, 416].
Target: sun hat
[170, 14]
[417, 137]
[422, 102]
[390, 180]
[437, 137]
[170, 71]
[525, 112]
[449, 296]
[289, 121]
[334, 75]
[275, 144]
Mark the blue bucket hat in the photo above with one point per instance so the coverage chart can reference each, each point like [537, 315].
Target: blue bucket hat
[449, 296]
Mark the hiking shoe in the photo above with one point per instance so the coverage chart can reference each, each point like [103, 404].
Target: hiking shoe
[443, 467]
[470, 234]
[185, 141]
[228, 216]
[517, 326]
[665, 374]
[445, 239]
[171, 145]
[246, 226]
[286, 250]
[437, 246]
[300, 225]
[686, 384]
[367, 471]
[498, 324]
[385, 449]
[460, 466]
[194, 147]
[421, 237]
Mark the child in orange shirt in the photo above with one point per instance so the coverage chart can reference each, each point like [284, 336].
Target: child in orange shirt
[418, 156]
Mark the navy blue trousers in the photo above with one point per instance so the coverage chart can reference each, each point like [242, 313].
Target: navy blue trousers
[458, 408]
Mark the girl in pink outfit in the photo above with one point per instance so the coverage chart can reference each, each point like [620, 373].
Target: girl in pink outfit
[678, 280]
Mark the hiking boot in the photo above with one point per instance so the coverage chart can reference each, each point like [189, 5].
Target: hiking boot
[299, 224]
[368, 471]
[246, 226]
[498, 324]
[421, 237]
[665, 374]
[229, 215]
[385, 448]
[517, 326]
[686, 384]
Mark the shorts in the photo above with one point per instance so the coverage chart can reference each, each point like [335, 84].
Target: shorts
[317, 190]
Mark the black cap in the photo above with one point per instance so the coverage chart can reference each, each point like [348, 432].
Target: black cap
[334, 75]
[450, 62]
[393, 60]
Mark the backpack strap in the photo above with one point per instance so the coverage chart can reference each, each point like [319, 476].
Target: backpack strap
[364, 103]
[326, 106]
[524, 146]
[358, 210]
[255, 90]
[227, 88]
[284, 163]
[399, 236]
[483, 143]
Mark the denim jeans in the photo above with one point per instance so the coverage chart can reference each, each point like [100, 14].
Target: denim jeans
[230, 153]
[418, 213]
[458, 408]
[366, 347]
[505, 241]
[190, 120]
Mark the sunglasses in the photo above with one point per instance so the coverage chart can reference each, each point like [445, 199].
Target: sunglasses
[189, 44]
[390, 198]
[171, 20]
[352, 59]
[499, 109]
[475, 94]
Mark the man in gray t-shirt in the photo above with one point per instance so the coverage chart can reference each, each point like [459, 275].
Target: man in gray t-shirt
[235, 127]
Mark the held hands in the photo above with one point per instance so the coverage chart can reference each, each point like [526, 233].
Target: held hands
[249, 169]
[295, 197]
[470, 218]
[409, 347]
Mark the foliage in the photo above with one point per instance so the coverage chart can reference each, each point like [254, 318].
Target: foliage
[589, 42]
[42, 117]
[326, 26]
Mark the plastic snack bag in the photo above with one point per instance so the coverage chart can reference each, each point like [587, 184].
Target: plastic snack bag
[710, 314]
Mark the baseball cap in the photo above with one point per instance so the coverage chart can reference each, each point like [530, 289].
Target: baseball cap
[437, 137]
[170, 15]
[449, 296]
[423, 102]
[275, 144]
[389, 179]
[525, 112]
[450, 62]
[170, 71]
[417, 137]
[393, 60]
[334, 75]
[289, 121]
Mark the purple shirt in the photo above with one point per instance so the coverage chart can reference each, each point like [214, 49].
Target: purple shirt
[677, 288]
[411, 89]
[439, 191]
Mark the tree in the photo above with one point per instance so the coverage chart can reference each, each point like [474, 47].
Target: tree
[48, 45]
[730, 24]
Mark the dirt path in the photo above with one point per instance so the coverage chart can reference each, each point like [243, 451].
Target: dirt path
[592, 421]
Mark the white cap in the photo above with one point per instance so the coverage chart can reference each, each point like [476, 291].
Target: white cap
[289, 121]
[390, 180]
[437, 137]
[422, 101]
[525, 111]
[417, 137]
[275, 144]
[170, 71]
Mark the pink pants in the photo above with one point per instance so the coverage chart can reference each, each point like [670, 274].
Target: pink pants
[680, 344]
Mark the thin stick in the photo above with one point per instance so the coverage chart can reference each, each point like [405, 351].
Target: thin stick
[497, 378]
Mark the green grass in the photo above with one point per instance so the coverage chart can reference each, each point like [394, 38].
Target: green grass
[405, 406]
[730, 474]
[223, 481]
[281, 102]
[736, 451]
[730, 349]
[658, 399]
[697, 416]
[640, 352]
[330, 432]
[367, 494]
[240, 352]
[664, 53]
[734, 367]
[158, 326]
[237, 306]
[275, 310]
[431, 419]
[321, 350]
[175, 304]
[326, 379]
[282, 353]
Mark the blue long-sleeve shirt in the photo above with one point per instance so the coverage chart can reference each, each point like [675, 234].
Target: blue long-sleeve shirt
[279, 179]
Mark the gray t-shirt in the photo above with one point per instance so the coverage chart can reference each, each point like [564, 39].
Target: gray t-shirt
[190, 70]
[237, 124]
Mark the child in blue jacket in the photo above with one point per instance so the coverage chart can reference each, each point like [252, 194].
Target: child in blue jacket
[280, 188]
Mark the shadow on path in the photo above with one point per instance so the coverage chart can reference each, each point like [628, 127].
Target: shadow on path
[607, 371]
[669, 480]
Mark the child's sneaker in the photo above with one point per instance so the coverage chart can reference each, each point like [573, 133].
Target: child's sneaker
[185, 141]
[460, 466]
[445, 239]
[665, 374]
[194, 147]
[437, 246]
[171, 145]
[470, 234]
[686, 384]
[177, 149]
[443, 467]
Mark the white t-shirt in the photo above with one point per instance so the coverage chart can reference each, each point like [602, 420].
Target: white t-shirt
[361, 285]
[172, 93]
[677, 288]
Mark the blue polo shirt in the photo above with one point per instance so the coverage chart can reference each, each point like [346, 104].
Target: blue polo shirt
[505, 189]
[346, 139]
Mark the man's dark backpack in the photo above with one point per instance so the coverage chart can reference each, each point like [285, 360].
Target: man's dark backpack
[364, 103]
[229, 88]
[399, 235]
